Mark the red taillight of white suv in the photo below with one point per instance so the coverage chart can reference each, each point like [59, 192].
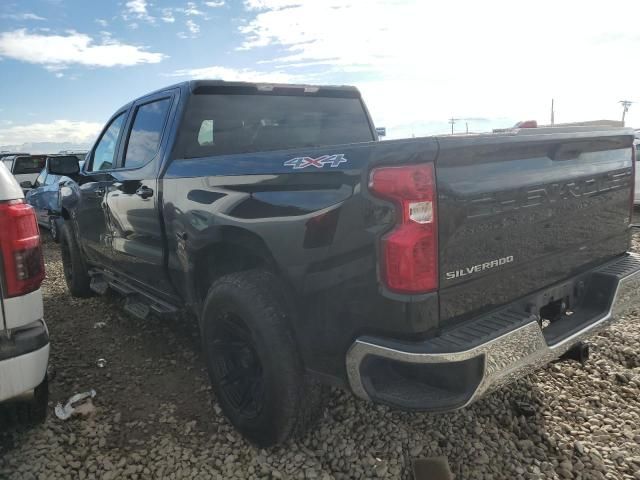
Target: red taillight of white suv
[409, 262]
[23, 265]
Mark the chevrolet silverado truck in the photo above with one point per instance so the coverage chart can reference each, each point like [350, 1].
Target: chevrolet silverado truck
[418, 273]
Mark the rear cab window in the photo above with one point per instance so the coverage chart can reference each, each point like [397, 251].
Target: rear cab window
[222, 124]
[24, 165]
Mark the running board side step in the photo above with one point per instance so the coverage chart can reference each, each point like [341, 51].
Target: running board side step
[137, 301]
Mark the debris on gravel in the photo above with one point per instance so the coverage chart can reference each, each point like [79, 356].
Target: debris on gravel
[155, 415]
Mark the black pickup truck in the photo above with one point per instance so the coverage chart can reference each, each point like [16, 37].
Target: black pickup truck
[419, 273]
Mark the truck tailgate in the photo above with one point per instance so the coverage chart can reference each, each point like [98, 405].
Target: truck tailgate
[521, 211]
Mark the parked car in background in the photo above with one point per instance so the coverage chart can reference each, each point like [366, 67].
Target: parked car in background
[418, 273]
[4, 155]
[24, 338]
[44, 196]
[25, 168]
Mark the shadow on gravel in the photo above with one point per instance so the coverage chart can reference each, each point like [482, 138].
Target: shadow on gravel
[152, 366]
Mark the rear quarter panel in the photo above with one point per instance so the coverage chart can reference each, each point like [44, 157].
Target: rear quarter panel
[318, 225]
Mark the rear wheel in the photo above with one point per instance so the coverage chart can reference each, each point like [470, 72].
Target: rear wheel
[75, 270]
[36, 410]
[253, 361]
[26, 412]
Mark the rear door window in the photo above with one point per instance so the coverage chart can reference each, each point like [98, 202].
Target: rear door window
[146, 132]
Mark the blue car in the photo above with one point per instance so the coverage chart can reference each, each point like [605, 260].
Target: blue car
[45, 199]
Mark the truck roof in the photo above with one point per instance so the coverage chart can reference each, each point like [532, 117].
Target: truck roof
[222, 86]
[206, 86]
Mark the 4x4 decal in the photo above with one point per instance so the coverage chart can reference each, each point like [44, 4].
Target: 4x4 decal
[303, 162]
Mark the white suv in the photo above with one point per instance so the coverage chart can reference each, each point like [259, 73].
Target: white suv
[24, 339]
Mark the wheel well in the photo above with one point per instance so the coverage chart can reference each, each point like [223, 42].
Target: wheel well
[237, 252]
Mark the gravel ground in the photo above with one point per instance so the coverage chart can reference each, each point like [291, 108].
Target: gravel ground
[155, 416]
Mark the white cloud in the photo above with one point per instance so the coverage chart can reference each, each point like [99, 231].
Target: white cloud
[193, 27]
[192, 10]
[137, 9]
[271, 4]
[55, 131]
[57, 52]
[426, 61]
[167, 16]
[137, 6]
[102, 22]
[236, 75]
[193, 30]
[215, 4]
[22, 16]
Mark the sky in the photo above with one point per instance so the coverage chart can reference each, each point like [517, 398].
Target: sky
[67, 65]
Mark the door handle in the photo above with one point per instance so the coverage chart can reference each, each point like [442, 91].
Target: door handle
[144, 192]
[100, 191]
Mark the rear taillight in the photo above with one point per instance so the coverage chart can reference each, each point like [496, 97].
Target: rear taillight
[22, 260]
[409, 262]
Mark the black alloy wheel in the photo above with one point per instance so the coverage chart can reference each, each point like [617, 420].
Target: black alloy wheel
[236, 365]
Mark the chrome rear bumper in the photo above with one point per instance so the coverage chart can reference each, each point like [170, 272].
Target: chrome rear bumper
[500, 360]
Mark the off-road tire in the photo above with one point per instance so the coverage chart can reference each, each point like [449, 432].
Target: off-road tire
[289, 401]
[75, 269]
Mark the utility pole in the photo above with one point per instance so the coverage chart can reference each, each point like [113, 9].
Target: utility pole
[553, 117]
[452, 122]
[625, 108]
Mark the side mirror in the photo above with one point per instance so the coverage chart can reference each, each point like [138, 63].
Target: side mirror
[65, 166]
[26, 184]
